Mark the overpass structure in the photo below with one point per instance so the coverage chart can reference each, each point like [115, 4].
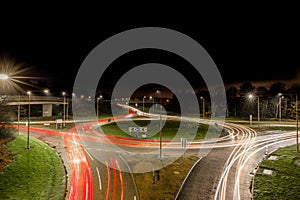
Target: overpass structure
[47, 102]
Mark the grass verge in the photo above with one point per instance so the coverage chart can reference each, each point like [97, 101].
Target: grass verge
[273, 128]
[285, 179]
[37, 173]
[166, 183]
[169, 130]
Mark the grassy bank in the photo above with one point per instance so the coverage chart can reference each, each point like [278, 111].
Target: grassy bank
[37, 173]
[273, 128]
[169, 130]
[166, 183]
[284, 181]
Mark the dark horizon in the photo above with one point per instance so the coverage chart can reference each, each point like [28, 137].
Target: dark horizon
[250, 52]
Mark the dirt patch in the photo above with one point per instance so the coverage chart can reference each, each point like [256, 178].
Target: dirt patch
[6, 157]
[164, 183]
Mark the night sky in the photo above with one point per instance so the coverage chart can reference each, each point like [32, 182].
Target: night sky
[246, 49]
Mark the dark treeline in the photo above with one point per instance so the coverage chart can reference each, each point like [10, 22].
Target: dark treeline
[274, 101]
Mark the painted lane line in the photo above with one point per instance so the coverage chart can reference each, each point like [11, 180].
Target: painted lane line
[99, 178]
[89, 154]
[121, 180]
[108, 180]
[134, 198]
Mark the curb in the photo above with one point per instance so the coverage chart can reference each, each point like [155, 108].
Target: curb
[185, 179]
[135, 187]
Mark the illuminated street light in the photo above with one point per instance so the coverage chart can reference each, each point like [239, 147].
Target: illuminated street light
[98, 99]
[4, 76]
[251, 96]
[64, 103]
[280, 101]
[152, 103]
[296, 110]
[46, 91]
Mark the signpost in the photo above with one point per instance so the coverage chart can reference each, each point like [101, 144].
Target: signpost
[183, 146]
[59, 121]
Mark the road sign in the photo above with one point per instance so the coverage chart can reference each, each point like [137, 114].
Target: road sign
[138, 129]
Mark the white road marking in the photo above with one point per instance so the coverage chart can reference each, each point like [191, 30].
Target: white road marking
[99, 178]
[134, 198]
[89, 155]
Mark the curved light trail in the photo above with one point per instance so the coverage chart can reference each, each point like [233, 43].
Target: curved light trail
[245, 142]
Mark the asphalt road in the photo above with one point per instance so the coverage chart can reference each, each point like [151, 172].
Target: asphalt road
[98, 168]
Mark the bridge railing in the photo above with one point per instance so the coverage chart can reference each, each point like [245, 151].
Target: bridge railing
[17, 98]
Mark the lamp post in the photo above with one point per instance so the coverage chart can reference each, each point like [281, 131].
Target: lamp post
[152, 103]
[203, 106]
[19, 99]
[64, 108]
[160, 127]
[28, 122]
[251, 96]
[297, 124]
[144, 104]
[98, 98]
[4, 77]
[280, 114]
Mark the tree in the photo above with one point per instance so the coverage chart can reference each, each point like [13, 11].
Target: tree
[263, 93]
[294, 89]
[276, 88]
[232, 95]
[5, 119]
[246, 88]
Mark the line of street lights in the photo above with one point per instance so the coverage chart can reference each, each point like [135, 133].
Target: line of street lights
[296, 110]
[251, 96]
[46, 91]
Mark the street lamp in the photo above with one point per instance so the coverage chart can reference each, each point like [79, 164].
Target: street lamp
[64, 103]
[152, 103]
[144, 104]
[160, 127]
[4, 76]
[296, 110]
[280, 100]
[46, 91]
[251, 96]
[28, 122]
[98, 98]
[203, 107]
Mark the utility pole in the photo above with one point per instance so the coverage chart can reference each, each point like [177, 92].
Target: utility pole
[19, 99]
[28, 122]
[297, 142]
[258, 111]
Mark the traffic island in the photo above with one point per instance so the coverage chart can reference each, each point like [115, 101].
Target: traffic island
[35, 173]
